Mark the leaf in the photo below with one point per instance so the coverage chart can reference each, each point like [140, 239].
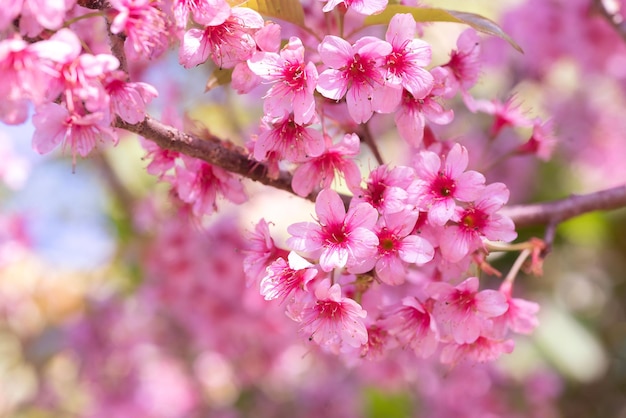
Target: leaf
[428, 14]
[287, 10]
[219, 77]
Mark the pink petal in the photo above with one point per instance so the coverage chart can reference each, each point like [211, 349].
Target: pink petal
[329, 207]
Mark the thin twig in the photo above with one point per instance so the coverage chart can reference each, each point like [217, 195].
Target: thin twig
[368, 138]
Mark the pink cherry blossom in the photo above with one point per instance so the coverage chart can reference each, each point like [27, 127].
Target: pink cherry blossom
[199, 184]
[267, 39]
[379, 341]
[55, 125]
[542, 140]
[411, 116]
[355, 71]
[476, 221]
[464, 64]
[227, 43]
[481, 350]
[162, 160]
[23, 78]
[77, 76]
[404, 65]
[364, 7]
[294, 81]
[409, 55]
[283, 280]
[286, 139]
[340, 239]
[21, 70]
[520, 317]
[320, 171]
[505, 114]
[204, 12]
[462, 312]
[144, 24]
[129, 99]
[439, 183]
[414, 326]
[397, 247]
[386, 188]
[332, 319]
[48, 14]
[10, 10]
[260, 252]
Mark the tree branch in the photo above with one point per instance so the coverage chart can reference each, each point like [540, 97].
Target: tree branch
[212, 150]
[560, 210]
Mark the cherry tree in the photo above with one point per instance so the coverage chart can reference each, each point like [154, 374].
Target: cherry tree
[338, 239]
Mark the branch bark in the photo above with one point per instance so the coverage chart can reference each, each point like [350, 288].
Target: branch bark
[560, 210]
[212, 150]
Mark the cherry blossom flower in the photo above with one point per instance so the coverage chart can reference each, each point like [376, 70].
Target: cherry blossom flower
[520, 317]
[10, 10]
[386, 188]
[77, 76]
[320, 171]
[364, 7]
[355, 71]
[283, 280]
[378, 342]
[411, 116]
[414, 326]
[243, 79]
[129, 99]
[227, 43]
[332, 319]
[439, 183]
[477, 220]
[404, 65]
[396, 248]
[286, 139]
[49, 14]
[462, 312]
[542, 140]
[505, 114]
[23, 78]
[162, 160]
[481, 350]
[21, 70]
[144, 24]
[260, 251]
[204, 12]
[267, 39]
[340, 239]
[55, 125]
[198, 183]
[294, 81]
[464, 64]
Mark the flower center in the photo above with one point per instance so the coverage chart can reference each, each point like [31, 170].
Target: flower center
[443, 185]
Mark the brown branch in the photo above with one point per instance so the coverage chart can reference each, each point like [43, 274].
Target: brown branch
[216, 152]
[560, 210]
[213, 150]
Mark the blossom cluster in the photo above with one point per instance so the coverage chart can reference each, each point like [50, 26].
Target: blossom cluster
[401, 249]
[388, 265]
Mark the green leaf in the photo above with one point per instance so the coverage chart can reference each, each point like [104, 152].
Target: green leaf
[428, 14]
[219, 77]
[287, 10]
